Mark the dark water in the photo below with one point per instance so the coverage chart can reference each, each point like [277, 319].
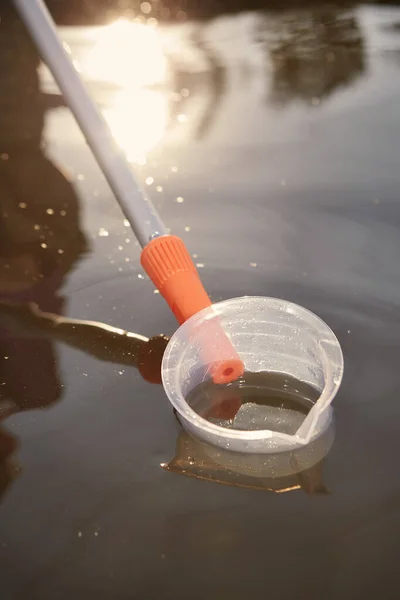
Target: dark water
[268, 141]
[256, 401]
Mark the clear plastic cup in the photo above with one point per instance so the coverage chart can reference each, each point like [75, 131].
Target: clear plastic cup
[268, 334]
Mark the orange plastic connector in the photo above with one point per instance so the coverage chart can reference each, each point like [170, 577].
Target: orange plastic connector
[170, 267]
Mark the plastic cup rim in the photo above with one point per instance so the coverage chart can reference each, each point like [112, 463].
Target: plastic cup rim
[178, 401]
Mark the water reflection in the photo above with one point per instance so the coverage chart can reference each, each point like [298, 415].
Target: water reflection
[301, 469]
[312, 53]
[217, 83]
[283, 472]
[25, 325]
[138, 122]
[156, 82]
[40, 235]
[127, 54]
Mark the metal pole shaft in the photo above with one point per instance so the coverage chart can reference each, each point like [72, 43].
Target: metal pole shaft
[135, 205]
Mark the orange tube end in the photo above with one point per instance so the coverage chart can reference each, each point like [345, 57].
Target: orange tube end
[226, 371]
[170, 267]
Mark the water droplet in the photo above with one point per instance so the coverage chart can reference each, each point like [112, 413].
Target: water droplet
[43, 245]
[80, 177]
[253, 264]
[127, 259]
[180, 199]
[50, 211]
[96, 533]
[36, 227]
[127, 240]
[79, 533]
[195, 255]
[85, 374]
[174, 169]
[121, 372]
[22, 205]
[60, 251]
[103, 232]
[156, 291]
[120, 247]
[159, 188]
[191, 460]
[187, 228]
[126, 222]
[182, 118]
[63, 213]
[149, 180]
[140, 276]
[199, 265]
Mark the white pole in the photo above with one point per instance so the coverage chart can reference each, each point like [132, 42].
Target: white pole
[136, 206]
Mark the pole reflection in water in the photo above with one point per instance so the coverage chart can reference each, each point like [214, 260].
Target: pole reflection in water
[282, 472]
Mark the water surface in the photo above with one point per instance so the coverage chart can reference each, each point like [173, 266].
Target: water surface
[269, 142]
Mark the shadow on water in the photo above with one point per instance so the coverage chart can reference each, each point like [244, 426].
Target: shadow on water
[40, 236]
[24, 325]
[283, 472]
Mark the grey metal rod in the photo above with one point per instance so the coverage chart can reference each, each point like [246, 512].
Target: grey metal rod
[135, 204]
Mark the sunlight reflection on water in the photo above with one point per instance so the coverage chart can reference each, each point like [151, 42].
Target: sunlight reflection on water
[130, 55]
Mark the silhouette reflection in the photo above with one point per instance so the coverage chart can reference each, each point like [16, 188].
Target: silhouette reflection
[25, 323]
[40, 236]
[283, 472]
